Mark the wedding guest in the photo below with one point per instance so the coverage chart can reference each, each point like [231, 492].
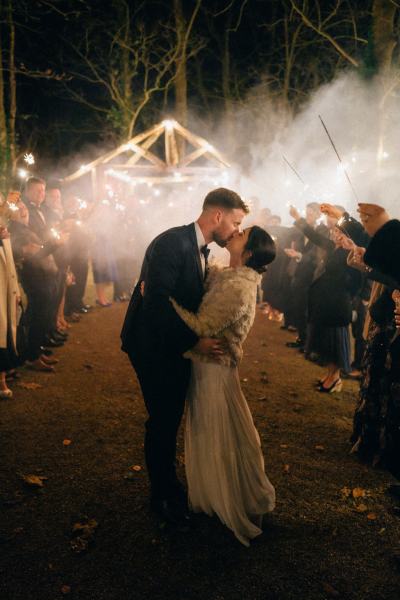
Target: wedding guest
[9, 300]
[306, 258]
[330, 305]
[376, 429]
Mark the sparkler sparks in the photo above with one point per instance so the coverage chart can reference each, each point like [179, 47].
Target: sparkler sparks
[29, 158]
[55, 233]
[23, 173]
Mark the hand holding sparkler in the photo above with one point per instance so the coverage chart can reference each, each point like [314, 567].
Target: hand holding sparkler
[355, 259]
[331, 211]
[292, 253]
[294, 213]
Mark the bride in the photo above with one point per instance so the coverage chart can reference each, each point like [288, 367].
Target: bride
[223, 457]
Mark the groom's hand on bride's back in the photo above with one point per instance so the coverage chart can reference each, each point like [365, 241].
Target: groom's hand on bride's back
[210, 347]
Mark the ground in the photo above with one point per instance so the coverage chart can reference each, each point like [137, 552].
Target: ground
[334, 533]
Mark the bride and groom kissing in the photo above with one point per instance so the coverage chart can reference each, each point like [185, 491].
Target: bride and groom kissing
[183, 333]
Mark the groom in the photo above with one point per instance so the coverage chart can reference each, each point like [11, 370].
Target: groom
[155, 338]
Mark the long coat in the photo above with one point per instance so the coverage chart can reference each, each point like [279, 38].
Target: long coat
[334, 286]
[9, 291]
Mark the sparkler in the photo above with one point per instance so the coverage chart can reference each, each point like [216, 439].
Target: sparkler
[55, 233]
[340, 160]
[293, 169]
[29, 158]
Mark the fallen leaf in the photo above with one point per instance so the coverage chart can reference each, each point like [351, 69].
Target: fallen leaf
[33, 480]
[262, 398]
[346, 492]
[283, 445]
[83, 533]
[245, 380]
[29, 386]
[135, 468]
[361, 508]
[88, 366]
[358, 493]
[67, 442]
[286, 468]
[382, 530]
[372, 516]
[330, 590]
[66, 589]
[319, 447]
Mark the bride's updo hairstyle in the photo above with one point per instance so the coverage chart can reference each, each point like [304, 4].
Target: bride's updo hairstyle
[262, 248]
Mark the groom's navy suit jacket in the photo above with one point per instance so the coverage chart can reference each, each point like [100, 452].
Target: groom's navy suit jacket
[171, 268]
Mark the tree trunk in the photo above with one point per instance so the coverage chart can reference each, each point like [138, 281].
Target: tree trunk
[180, 83]
[3, 122]
[226, 86]
[12, 91]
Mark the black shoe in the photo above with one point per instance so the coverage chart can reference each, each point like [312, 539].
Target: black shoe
[46, 351]
[59, 335]
[171, 512]
[52, 343]
[86, 307]
[297, 344]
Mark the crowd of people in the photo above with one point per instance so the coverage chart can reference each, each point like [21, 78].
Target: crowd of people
[46, 244]
[335, 283]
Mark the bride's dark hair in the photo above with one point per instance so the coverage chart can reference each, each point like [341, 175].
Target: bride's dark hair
[262, 248]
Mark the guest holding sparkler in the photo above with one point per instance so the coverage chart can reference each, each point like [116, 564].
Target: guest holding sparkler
[330, 304]
[38, 273]
[376, 430]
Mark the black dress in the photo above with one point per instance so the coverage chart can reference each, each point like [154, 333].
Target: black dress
[376, 427]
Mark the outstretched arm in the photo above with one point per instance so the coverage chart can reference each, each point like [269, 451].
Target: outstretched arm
[218, 310]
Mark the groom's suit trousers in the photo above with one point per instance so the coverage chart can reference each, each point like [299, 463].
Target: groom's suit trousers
[164, 383]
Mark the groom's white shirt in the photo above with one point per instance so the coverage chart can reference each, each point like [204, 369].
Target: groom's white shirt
[200, 242]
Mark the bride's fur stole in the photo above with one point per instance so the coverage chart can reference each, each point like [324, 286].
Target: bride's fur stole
[226, 311]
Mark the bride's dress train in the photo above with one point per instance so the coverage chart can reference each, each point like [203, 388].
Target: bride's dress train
[223, 457]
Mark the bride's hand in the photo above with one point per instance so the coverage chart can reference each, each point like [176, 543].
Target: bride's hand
[210, 347]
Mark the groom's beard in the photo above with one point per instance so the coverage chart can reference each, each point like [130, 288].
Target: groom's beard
[221, 241]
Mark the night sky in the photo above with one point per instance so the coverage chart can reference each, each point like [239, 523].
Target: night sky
[48, 33]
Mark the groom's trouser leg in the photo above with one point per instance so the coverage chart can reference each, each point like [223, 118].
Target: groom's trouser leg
[164, 385]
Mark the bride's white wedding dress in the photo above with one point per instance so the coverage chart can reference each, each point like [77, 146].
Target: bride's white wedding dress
[223, 457]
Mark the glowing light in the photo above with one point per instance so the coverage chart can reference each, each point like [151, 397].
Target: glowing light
[82, 204]
[169, 124]
[171, 204]
[353, 159]
[29, 158]
[13, 207]
[22, 173]
[208, 147]
[385, 155]
[177, 175]
[287, 182]
[156, 192]
[119, 207]
[83, 167]
[105, 202]
[190, 188]
[55, 233]
[79, 223]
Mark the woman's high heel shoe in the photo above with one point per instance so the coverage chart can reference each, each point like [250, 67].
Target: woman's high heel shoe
[335, 387]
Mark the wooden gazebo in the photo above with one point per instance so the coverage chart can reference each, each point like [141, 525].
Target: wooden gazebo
[165, 153]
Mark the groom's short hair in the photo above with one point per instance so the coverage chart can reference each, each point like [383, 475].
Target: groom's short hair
[224, 198]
